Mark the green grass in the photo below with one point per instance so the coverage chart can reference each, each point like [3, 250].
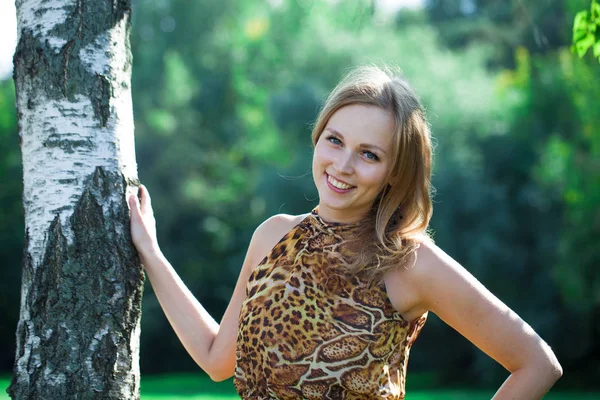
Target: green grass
[200, 387]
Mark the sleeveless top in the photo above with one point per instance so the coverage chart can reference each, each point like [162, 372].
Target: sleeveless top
[308, 330]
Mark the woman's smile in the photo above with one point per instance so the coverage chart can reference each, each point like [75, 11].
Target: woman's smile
[337, 185]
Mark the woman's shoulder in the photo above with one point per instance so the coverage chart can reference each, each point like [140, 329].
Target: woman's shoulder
[411, 287]
[427, 260]
[429, 256]
[435, 274]
[270, 232]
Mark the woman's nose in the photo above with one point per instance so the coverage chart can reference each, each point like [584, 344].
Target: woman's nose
[345, 163]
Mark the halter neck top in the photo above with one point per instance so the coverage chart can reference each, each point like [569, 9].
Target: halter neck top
[309, 330]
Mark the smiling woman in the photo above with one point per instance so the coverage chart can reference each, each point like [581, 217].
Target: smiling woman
[329, 303]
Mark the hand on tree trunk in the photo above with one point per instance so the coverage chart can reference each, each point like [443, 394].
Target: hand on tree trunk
[143, 224]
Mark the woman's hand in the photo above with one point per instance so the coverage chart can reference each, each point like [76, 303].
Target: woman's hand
[143, 224]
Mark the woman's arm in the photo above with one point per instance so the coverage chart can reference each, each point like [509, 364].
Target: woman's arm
[211, 345]
[451, 292]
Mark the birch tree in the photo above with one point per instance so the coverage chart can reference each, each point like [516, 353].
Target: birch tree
[78, 333]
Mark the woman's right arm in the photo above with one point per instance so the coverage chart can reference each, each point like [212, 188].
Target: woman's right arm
[211, 345]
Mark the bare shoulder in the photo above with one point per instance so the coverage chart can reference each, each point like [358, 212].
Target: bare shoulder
[429, 257]
[433, 265]
[432, 268]
[413, 289]
[404, 285]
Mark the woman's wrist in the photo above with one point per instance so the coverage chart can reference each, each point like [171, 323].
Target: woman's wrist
[147, 256]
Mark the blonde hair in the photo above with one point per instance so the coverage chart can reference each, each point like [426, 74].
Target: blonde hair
[398, 220]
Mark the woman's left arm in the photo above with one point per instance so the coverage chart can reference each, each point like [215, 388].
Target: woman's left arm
[452, 293]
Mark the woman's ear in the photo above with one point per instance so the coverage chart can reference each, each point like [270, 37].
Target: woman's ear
[389, 181]
[392, 178]
[385, 190]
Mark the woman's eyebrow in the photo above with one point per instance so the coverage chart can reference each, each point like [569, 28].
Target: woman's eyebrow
[364, 145]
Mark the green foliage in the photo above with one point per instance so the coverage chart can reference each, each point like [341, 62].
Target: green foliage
[586, 31]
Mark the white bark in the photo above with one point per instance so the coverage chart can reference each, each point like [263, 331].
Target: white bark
[61, 141]
[44, 15]
[76, 127]
[53, 179]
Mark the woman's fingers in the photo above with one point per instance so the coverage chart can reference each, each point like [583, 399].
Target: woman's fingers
[143, 229]
[134, 206]
[145, 200]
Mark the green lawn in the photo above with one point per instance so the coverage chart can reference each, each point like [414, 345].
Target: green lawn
[199, 387]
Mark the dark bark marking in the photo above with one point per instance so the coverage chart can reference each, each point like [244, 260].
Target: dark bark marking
[66, 54]
[102, 101]
[69, 146]
[46, 296]
[104, 359]
[72, 298]
[80, 13]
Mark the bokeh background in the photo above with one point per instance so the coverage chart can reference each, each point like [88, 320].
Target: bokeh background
[225, 93]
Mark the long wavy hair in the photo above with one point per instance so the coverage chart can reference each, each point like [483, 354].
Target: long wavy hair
[398, 220]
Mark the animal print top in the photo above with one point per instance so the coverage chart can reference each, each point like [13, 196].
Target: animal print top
[307, 330]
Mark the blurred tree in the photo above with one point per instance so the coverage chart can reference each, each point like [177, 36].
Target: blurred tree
[506, 25]
[78, 333]
[569, 166]
[11, 222]
[543, 169]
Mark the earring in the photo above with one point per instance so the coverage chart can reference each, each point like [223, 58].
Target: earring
[396, 217]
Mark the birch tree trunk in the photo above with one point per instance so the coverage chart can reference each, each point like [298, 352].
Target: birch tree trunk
[78, 333]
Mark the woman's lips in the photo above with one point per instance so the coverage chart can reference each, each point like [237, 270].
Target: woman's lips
[337, 185]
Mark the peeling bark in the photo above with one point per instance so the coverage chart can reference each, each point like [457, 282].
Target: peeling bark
[78, 333]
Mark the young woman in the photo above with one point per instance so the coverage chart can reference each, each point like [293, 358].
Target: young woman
[328, 304]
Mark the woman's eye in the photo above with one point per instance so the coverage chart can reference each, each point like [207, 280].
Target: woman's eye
[334, 140]
[371, 156]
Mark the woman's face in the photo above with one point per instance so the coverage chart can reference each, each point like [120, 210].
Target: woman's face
[351, 161]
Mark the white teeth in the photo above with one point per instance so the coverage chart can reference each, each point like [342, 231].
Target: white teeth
[338, 184]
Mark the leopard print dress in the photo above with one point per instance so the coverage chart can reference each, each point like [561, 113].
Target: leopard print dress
[307, 330]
